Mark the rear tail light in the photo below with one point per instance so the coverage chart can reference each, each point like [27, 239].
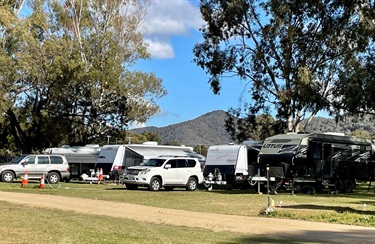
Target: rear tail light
[68, 169]
[118, 167]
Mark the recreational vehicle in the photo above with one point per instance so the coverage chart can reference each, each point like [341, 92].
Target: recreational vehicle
[229, 164]
[113, 159]
[314, 160]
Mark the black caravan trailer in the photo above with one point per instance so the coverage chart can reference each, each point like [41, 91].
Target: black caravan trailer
[319, 160]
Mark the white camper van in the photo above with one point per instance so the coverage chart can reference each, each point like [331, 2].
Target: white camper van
[229, 164]
[113, 159]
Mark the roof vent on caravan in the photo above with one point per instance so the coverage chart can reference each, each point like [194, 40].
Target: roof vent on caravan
[150, 143]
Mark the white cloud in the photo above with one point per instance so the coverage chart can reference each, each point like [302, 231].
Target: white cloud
[161, 50]
[135, 125]
[168, 18]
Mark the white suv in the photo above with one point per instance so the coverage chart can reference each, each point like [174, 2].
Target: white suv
[165, 171]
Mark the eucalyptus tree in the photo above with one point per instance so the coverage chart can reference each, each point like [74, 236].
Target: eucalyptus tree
[68, 70]
[288, 52]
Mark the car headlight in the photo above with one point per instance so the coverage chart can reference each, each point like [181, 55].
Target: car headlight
[143, 172]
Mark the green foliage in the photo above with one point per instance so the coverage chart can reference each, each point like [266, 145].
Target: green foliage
[201, 149]
[361, 134]
[151, 136]
[290, 53]
[253, 127]
[66, 74]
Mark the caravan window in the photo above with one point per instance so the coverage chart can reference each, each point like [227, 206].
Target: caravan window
[315, 150]
[346, 151]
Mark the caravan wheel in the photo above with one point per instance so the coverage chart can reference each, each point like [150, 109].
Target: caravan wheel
[339, 186]
[349, 186]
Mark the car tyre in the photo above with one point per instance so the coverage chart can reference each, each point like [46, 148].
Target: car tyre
[53, 178]
[131, 186]
[7, 176]
[192, 184]
[155, 184]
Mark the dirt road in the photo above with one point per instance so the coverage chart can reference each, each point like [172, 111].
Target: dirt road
[291, 229]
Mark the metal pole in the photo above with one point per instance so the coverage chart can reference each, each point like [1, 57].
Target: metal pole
[268, 180]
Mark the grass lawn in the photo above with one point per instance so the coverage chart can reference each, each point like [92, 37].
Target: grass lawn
[338, 208]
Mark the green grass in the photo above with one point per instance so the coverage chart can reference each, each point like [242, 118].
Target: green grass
[64, 227]
[339, 208]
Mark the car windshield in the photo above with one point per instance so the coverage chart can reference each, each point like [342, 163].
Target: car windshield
[155, 162]
[17, 160]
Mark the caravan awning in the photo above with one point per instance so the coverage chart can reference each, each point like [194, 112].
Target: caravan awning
[149, 152]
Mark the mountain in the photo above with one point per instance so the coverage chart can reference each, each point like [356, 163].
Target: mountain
[209, 129]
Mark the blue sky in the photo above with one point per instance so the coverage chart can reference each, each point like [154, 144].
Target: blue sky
[172, 30]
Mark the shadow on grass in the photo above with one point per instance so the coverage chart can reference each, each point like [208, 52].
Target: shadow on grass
[354, 236]
[331, 208]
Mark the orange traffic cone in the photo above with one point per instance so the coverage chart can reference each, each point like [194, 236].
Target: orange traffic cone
[25, 179]
[41, 185]
[100, 177]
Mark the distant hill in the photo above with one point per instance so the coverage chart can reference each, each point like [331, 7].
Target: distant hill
[209, 129]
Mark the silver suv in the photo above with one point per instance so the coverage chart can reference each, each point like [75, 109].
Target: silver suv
[165, 171]
[54, 167]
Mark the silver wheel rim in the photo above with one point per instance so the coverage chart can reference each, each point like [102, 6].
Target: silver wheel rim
[53, 178]
[155, 185]
[192, 184]
[8, 177]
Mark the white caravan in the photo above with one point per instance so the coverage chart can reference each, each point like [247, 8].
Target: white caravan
[229, 164]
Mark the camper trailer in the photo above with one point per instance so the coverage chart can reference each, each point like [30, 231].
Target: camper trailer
[113, 159]
[229, 164]
[319, 160]
[81, 159]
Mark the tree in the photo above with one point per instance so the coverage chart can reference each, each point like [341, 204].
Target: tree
[289, 52]
[151, 136]
[67, 71]
[251, 127]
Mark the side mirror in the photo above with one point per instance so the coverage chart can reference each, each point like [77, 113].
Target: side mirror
[167, 166]
[24, 163]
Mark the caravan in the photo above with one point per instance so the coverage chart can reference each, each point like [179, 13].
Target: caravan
[229, 164]
[319, 160]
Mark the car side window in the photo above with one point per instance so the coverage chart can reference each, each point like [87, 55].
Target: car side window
[173, 163]
[181, 163]
[43, 160]
[56, 160]
[191, 163]
[30, 160]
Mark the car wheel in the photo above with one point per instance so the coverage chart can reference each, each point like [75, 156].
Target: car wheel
[168, 188]
[7, 176]
[53, 178]
[131, 186]
[192, 184]
[155, 184]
